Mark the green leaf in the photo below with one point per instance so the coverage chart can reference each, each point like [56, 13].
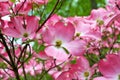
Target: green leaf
[38, 47]
[103, 52]
[92, 58]
[101, 3]
[3, 65]
[118, 38]
[67, 52]
[47, 77]
[35, 77]
[13, 1]
[73, 61]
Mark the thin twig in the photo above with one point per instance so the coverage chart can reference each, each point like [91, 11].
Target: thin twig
[48, 16]
[22, 53]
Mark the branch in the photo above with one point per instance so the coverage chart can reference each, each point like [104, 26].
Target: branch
[22, 53]
[48, 16]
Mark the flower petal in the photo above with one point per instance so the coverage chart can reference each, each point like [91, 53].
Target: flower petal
[76, 47]
[11, 32]
[32, 24]
[64, 31]
[57, 53]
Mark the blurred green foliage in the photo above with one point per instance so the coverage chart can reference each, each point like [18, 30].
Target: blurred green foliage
[37, 77]
[79, 7]
[68, 8]
[72, 7]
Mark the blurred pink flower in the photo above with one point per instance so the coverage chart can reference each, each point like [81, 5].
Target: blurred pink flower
[110, 67]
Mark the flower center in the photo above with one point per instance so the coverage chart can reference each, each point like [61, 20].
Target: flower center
[86, 74]
[58, 43]
[77, 34]
[100, 22]
[25, 35]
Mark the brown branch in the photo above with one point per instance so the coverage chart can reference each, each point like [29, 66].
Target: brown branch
[22, 53]
[48, 16]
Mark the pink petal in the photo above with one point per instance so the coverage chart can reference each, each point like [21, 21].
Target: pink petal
[65, 76]
[48, 36]
[24, 9]
[106, 69]
[32, 24]
[114, 60]
[94, 34]
[18, 24]
[82, 64]
[64, 31]
[57, 53]
[98, 13]
[112, 19]
[11, 32]
[101, 78]
[82, 27]
[41, 55]
[111, 66]
[71, 75]
[76, 47]
[4, 8]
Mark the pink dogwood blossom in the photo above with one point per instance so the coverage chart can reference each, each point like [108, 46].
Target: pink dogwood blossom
[22, 8]
[80, 70]
[22, 27]
[110, 67]
[4, 8]
[60, 41]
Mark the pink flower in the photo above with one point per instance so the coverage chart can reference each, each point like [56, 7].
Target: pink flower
[41, 55]
[19, 9]
[59, 39]
[88, 30]
[85, 28]
[80, 70]
[113, 19]
[110, 67]
[53, 19]
[100, 13]
[4, 8]
[22, 27]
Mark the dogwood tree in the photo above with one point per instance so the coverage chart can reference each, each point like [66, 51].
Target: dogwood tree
[36, 45]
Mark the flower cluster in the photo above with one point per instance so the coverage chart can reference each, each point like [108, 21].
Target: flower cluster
[72, 48]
